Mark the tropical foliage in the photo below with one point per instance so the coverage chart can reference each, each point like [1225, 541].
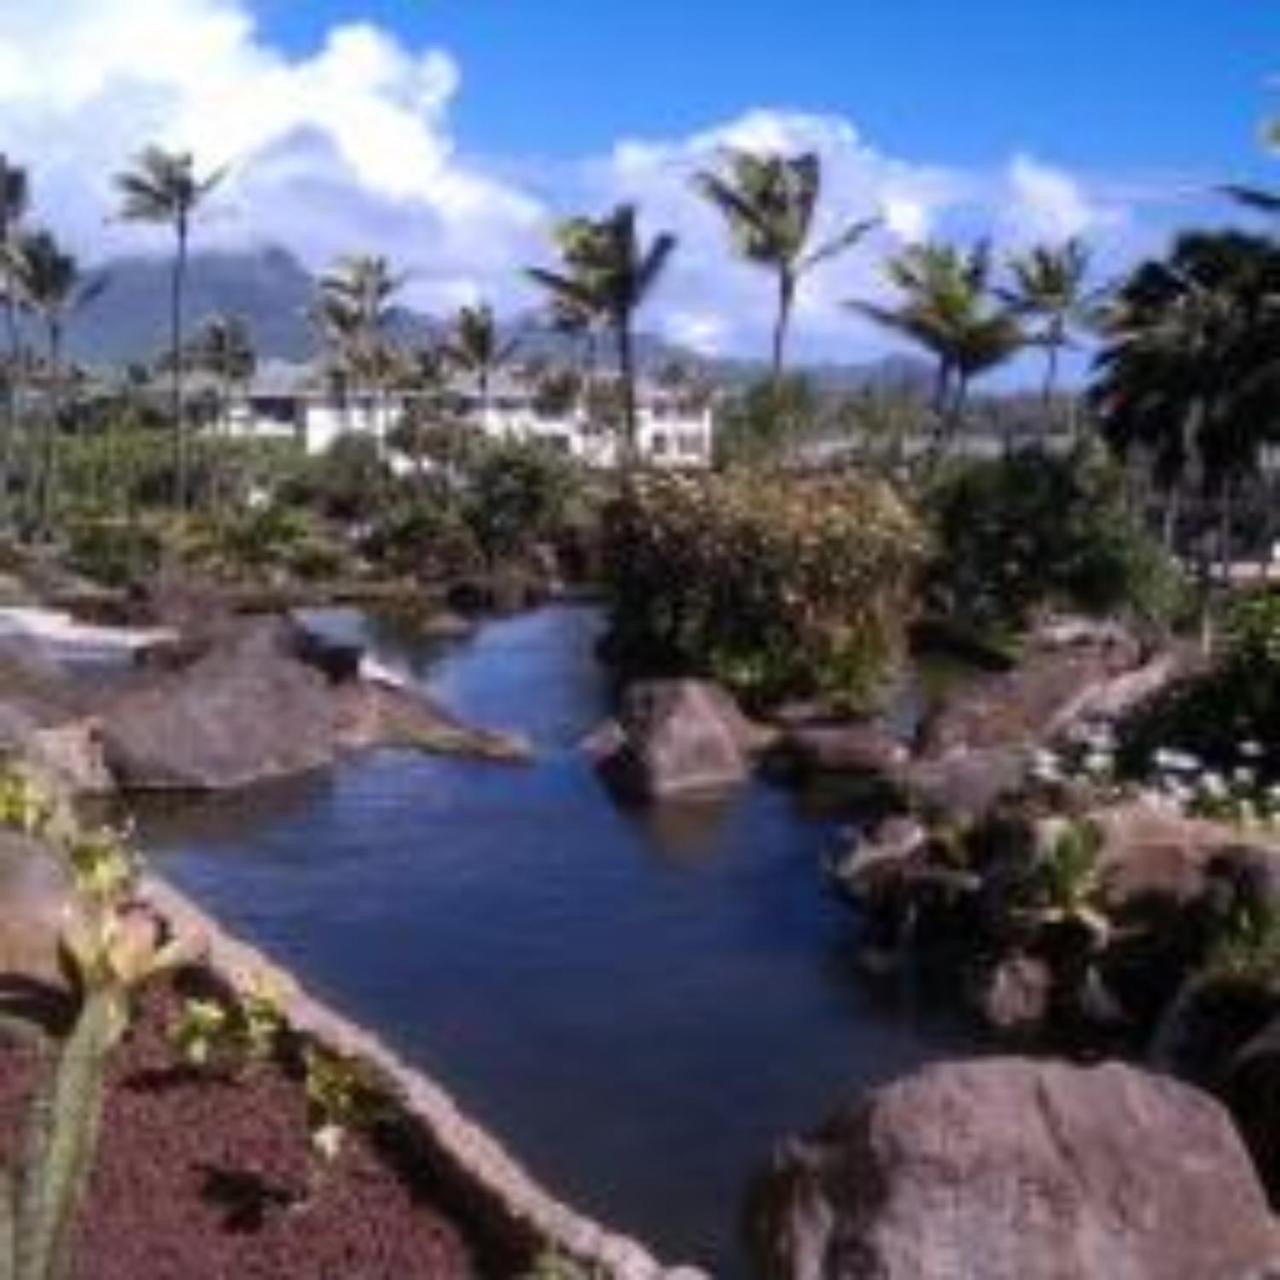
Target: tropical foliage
[775, 587]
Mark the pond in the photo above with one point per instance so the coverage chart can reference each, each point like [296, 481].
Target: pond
[639, 1005]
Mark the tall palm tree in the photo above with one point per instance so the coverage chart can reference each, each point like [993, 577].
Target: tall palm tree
[50, 288]
[947, 307]
[769, 203]
[15, 198]
[475, 346]
[1262, 199]
[608, 273]
[163, 187]
[1050, 289]
[352, 311]
[223, 348]
[1188, 372]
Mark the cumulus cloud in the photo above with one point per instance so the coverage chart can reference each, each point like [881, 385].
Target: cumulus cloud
[352, 147]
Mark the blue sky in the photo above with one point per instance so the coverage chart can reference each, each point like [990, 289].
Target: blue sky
[449, 135]
[1140, 85]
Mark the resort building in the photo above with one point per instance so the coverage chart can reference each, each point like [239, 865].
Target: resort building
[291, 401]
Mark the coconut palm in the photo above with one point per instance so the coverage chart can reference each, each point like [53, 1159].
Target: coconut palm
[475, 346]
[769, 203]
[15, 197]
[49, 287]
[1260, 198]
[607, 274]
[1049, 290]
[163, 188]
[353, 309]
[1188, 372]
[947, 307]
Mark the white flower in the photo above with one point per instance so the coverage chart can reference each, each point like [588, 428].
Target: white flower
[1251, 750]
[1176, 761]
[1213, 786]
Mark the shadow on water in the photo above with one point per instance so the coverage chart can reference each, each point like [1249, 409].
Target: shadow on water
[641, 1004]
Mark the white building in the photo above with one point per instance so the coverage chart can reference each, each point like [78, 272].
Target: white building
[290, 402]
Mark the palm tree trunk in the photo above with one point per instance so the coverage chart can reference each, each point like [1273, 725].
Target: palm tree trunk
[1050, 384]
[12, 387]
[627, 371]
[938, 404]
[786, 300]
[178, 284]
[48, 466]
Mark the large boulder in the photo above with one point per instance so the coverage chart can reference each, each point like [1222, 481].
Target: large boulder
[675, 738]
[246, 711]
[1008, 1169]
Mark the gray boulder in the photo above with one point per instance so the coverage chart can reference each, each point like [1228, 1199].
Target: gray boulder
[675, 738]
[1009, 1169]
[244, 712]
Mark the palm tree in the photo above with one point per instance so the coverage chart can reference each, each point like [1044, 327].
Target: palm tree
[1049, 288]
[769, 203]
[475, 346]
[164, 188]
[1260, 198]
[607, 274]
[49, 287]
[352, 312]
[947, 307]
[1188, 372]
[15, 197]
[223, 348]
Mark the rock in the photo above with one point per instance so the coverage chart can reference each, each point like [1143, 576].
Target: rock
[245, 712]
[1014, 997]
[677, 738]
[965, 784]
[1153, 852]
[1009, 1169]
[70, 758]
[1252, 1091]
[35, 901]
[853, 747]
[372, 714]
[879, 857]
[1033, 702]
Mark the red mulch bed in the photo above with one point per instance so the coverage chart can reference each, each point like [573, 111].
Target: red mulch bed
[201, 1178]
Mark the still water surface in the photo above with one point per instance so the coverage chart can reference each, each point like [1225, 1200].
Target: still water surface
[639, 1005]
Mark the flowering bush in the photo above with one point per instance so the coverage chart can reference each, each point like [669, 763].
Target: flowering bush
[1225, 720]
[774, 586]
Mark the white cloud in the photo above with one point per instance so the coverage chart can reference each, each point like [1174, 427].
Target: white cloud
[352, 147]
[1048, 204]
[347, 148]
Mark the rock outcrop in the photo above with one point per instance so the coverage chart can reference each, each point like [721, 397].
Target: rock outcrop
[1009, 1169]
[676, 738]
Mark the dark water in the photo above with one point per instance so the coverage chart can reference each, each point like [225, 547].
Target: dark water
[639, 1006]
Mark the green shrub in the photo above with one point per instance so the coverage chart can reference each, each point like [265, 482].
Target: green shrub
[1227, 718]
[428, 538]
[775, 587]
[1031, 532]
[115, 552]
[517, 494]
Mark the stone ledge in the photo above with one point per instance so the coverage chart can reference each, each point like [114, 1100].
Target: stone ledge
[502, 1190]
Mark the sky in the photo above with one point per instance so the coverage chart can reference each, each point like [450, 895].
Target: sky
[450, 135]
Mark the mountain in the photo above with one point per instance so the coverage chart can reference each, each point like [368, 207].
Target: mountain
[130, 321]
[273, 291]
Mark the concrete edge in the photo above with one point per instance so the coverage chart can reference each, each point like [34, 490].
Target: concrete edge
[494, 1178]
